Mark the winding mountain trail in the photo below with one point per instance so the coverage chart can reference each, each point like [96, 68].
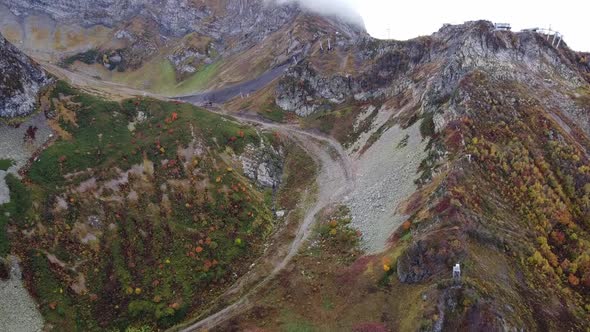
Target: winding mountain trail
[335, 180]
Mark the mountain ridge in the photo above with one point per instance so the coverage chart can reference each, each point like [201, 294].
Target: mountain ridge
[468, 146]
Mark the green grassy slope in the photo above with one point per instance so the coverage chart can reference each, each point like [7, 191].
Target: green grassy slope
[109, 248]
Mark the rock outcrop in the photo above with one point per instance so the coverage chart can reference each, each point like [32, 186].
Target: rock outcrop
[263, 164]
[175, 17]
[21, 81]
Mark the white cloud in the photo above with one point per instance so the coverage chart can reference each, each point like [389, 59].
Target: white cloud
[344, 9]
[407, 19]
[411, 18]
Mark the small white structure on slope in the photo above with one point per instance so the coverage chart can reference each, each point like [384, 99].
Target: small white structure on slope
[551, 36]
[502, 26]
[457, 273]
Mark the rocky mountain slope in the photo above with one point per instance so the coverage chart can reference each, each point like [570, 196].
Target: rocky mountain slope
[173, 47]
[21, 82]
[500, 189]
[469, 147]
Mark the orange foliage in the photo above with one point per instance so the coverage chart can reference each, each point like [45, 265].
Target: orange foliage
[573, 280]
[406, 225]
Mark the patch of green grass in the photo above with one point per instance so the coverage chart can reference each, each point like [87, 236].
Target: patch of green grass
[89, 57]
[295, 323]
[20, 199]
[273, 112]
[199, 80]
[5, 164]
[103, 140]
[55, 305]
[159, 76]
[299, 172]
[298, 326]
[404, 142]
[14, 211]
[327, 303]
[4, 242]
[427, 127]
[151, 253]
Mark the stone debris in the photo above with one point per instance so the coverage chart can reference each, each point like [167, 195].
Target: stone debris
[18, 311]
[385, 178]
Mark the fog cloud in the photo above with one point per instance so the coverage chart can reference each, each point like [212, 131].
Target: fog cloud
[343, 9]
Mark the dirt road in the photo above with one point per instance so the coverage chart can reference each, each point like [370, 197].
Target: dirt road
[334, 181]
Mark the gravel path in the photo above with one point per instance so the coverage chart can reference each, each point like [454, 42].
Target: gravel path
[334, 181]
[18, 311]
[4, 191]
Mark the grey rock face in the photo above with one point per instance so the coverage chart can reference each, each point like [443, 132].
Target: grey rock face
[443, 58]
[302, 88]
[175, 17]
[411, 267]
[20, 81]
[263, 164]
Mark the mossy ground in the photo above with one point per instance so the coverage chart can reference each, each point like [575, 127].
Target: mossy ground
[5, 164]
[159, 76]
[330, 286]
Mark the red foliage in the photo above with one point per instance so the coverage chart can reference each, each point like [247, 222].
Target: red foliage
[444, 204]
[558, 237]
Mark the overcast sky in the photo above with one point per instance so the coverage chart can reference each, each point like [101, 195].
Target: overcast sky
[411, 18]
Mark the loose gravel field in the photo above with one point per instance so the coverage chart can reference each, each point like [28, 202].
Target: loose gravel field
[385, 175]
[18, 311]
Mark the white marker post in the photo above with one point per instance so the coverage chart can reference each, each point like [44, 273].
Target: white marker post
[457, 274]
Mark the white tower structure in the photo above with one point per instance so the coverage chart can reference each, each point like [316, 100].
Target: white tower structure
[457, 273]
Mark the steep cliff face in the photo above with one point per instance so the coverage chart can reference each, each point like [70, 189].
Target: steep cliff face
[20, 82]
[175, 17]
[446, 57]
[208, 43]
